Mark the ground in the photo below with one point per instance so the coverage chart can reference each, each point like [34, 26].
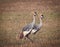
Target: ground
[15, 14]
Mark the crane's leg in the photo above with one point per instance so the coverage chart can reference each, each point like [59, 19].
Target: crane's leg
[26, 37]
[30, 39]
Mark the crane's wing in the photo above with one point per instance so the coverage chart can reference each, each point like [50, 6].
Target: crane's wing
[35, 29]
[27, 27]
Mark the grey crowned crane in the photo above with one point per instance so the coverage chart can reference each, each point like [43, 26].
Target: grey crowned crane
[37, 27]
[27, 29]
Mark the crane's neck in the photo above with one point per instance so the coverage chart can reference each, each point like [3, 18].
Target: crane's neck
[33, 20]
[40, 24]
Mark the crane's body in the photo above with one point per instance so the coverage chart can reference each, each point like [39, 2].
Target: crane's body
[31, 28]
[37, 27]
[27, 29]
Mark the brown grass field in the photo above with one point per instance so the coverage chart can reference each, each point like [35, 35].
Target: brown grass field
[15, 14]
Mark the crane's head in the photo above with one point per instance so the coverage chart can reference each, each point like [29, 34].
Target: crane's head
[42, 16]
[21, 35]
[35, 13]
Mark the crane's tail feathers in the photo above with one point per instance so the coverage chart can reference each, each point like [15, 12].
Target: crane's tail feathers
[21, 35]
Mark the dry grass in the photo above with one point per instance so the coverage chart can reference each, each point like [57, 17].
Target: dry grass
[15, 15]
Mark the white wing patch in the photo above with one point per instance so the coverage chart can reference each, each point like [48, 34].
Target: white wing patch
[26, 32]
[33, 31]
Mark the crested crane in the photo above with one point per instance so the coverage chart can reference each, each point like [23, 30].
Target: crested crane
[38, 26]
[27, 29]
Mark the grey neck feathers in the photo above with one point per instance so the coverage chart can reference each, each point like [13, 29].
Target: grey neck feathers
[40, 23]
[33, 20]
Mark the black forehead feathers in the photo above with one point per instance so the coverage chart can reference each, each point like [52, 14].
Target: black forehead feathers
[35, 12]
[41, 15]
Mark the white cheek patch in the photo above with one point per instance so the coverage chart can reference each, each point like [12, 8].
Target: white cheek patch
[33, 31]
